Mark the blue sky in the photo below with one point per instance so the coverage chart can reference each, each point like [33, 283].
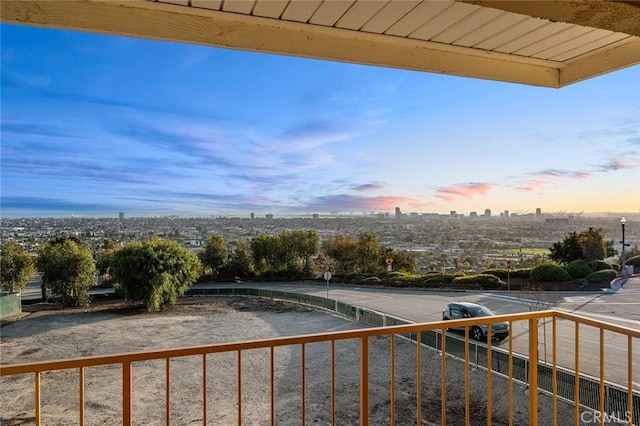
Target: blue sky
[93, 125]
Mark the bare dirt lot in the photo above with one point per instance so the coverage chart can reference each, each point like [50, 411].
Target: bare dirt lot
[113, 327]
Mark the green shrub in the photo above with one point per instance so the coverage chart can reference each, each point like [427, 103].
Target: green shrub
[438, 278]
[603, 276]
[404, 277]
[600, 265]
[578, 268]
[550, 272]
[500, 273]
[635, 261]
[486, 281]
[503, 274]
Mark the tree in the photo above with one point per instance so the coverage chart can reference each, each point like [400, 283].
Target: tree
[215, 254]
[567, 250]
[240, 263]
[16, 266]
[155, 272]
[68, 269]
[588, 245]
[593, 245]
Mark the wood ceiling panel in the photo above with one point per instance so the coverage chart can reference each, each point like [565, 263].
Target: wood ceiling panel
[330, 11]
[445, 19]
[503, 37]
[467, 25]
[238, 6]
[590, 47]
[572, 32]
[360, 13]
[389, 15]
[503, 22]
[569, 45]
[270, 8]
[178, 2]
[532, 37]
[417, 17]
[207, 4]
[301, 11]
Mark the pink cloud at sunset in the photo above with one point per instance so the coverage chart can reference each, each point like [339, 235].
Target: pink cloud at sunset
[465, 190]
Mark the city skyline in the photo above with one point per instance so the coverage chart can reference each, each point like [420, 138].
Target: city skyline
[94, 125]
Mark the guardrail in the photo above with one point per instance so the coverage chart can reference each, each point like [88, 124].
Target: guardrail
[535, 374]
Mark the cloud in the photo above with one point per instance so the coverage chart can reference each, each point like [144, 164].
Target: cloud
[349, 203]
[534, 186]
[464, 190]
[367, 187]
[616, 164]
[562, 173]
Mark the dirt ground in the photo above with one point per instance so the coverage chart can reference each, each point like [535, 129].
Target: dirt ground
[112, 328]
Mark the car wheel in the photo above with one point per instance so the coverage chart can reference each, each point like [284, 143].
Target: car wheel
[476, 333]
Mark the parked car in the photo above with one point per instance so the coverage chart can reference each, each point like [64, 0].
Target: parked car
[461, 310]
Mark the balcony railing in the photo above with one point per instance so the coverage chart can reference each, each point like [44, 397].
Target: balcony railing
[592, 398]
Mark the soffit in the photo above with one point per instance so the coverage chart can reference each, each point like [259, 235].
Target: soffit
[543, 43]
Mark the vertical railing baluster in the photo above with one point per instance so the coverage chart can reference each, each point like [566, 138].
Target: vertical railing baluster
[601, 402]
[364, 381]
[419, 378]
[273, 386]
[533, 371]
[576, 390]
[630, 380]
[443, 383]
[204, 389]
[333, 382]
[467, 414]
[489, 373]
[36, 397]
[554, 375]
[81, 395]
[167, 391]
[239, 387]
[510, 373]
[393, 379]
[303, 384]
[126, 393]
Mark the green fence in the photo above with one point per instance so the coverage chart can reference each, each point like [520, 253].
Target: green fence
[10, 304]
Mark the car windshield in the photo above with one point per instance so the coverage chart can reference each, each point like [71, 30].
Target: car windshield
[479, 311]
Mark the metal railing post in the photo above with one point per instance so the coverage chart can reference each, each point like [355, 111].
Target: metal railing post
[364, 381]
[533, 371]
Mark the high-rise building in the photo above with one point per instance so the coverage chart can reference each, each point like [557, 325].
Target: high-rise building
[269, 216]
[487, 213]
[452, 213]
[473, 214]
[538, 212]
[316, 216]
[253, 216]
[121, 215]
[506, 213]
[398, 213]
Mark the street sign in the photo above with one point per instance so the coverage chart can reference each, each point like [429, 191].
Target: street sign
[327, 275]
[508, 264]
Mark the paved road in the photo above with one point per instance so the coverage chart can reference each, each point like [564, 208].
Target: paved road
[621, 308]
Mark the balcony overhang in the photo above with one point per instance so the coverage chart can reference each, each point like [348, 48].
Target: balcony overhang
[540, 43]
